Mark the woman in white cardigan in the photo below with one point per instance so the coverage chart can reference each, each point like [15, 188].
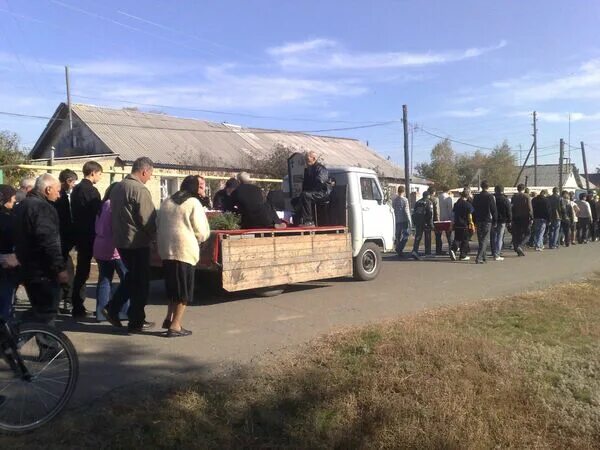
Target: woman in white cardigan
[182, 226]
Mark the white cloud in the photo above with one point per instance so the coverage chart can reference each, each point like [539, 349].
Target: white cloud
[582, 84]
[466, 113]
[324, 55]
[301, 47]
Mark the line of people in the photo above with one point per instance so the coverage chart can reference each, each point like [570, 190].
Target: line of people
[533, 220]
[39, 232]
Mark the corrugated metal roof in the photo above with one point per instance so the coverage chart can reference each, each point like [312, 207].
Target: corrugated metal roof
[547, 174]
[173, 140]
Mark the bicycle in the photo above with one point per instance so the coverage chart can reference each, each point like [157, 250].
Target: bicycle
[39, 377]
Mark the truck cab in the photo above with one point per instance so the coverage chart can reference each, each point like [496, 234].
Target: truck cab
[370, 219]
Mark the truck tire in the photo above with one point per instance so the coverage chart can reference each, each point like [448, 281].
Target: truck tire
[368, 262]
[271, 291]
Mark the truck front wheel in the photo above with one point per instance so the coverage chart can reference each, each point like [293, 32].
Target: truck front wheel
[368, 262]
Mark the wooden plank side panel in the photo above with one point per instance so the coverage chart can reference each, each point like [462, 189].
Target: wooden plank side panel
[241, 279]
[284, 260]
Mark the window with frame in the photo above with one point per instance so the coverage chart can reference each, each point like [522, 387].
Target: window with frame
[370, 190]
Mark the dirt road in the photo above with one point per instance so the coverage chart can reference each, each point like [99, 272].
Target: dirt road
[238, 329]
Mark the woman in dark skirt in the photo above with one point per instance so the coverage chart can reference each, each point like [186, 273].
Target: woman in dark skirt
[182, 226]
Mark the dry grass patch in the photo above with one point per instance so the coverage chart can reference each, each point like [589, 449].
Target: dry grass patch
[517, 372]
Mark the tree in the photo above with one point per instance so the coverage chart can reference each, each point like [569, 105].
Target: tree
[470, 167]
[12, 153]
[442, 168]
[501, 166]
[275, 164]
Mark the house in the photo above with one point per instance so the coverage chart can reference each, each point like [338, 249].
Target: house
[594, 180]
[180, 146]
[548, 176]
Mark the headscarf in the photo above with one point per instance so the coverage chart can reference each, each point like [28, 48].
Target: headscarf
[6, 192]
[188, 189]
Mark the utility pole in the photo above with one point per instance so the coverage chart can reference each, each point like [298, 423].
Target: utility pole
[406, 158]
[587, 180]
[535, 153]
[69, 106]
[560, 164]
[520, 154]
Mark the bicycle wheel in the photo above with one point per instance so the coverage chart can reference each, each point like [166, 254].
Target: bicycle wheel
[28, 402]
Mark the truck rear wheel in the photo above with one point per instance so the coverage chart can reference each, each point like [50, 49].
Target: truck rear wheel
[368, 262]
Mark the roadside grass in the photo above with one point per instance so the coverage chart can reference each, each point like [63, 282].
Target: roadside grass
[517, 372]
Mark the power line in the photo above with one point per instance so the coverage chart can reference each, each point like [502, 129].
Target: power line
[420, 128]
[241, 131]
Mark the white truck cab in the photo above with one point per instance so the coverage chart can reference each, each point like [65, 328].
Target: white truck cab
[371, 220]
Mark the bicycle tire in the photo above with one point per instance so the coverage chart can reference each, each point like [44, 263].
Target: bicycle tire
[40, 330]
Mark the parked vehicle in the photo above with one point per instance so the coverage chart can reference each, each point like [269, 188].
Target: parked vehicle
[353, 229]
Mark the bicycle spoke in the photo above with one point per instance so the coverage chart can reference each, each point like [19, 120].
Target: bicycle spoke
[51, 361]
[34, 386]
[51, 380]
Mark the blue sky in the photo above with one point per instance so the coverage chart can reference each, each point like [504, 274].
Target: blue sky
[470, 70]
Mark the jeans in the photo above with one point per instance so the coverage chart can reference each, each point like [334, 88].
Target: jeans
[85, 249]
[106, 272]
[402, 234]
[136, 283]
[539, 228]
[483, 236]
[497, 238]
[554, 239]
[44, 295]
[7, 295]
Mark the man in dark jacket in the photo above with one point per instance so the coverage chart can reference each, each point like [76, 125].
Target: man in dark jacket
[463, 227]
[250, 204]
[315, 189]
[567, 217]
[485, 215]
[522, 215]
[85, 204]
[38, 249]
[67, 180]
[556, 213]
[541, 217]
[222, 199]
[504, 219]
[423, 221]
[8, 269]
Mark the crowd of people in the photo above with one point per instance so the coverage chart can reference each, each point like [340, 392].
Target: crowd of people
[47, 217]
[535, 220]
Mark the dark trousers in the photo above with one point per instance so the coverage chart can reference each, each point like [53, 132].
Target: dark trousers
[66, 290]
[44, 296]
[583, 226]
[573, 232]
[565, 226]
[136, 283]
[85, 249]
[461, 241]
[419, 231]
[483, 236]
[427, 233]
[438, 241]
[520, 232]
[305, 204]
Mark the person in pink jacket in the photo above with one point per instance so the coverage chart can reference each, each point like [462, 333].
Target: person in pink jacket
[108, 260]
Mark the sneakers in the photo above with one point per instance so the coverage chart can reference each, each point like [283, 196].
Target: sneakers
[114, 321]
[498, 258]
[465, 258]
[520, 251]
[452, 255]
[415, 256]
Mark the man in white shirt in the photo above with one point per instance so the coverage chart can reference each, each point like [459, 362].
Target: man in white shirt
[445, 209]
[584, 219]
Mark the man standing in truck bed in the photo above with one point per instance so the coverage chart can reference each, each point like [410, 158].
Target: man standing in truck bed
[315, 189]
